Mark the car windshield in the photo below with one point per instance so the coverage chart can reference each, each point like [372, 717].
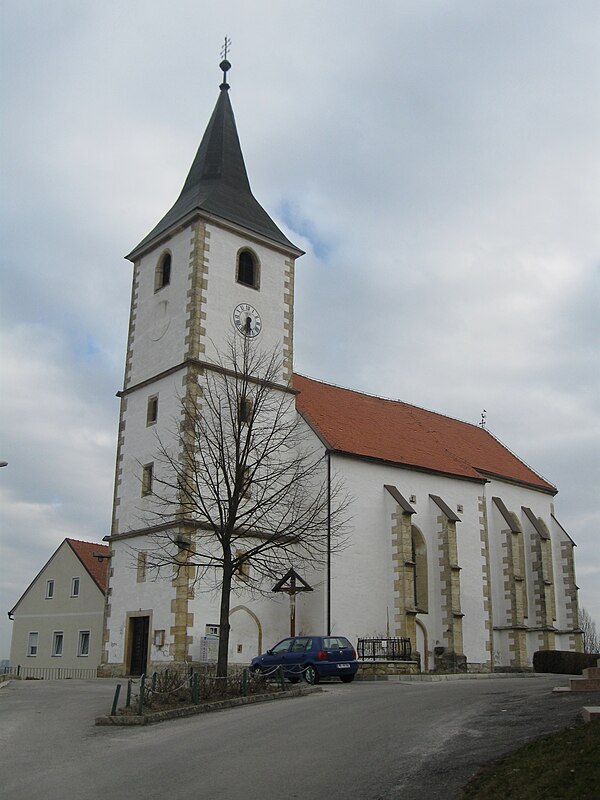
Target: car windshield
[282, 647]
[335, 643]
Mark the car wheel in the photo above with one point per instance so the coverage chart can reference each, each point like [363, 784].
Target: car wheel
[346, 678]
[310, 674]
[256, 670]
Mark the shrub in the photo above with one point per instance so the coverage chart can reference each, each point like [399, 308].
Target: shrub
[563, 662]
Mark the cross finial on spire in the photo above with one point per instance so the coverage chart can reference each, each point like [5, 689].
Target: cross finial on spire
[226, 46]
[225, 65]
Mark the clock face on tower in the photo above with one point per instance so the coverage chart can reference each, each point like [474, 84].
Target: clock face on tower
[246, 320]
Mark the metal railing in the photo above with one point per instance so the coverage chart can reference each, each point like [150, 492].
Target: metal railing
[172, 688]
[53, 673]
[384, 649]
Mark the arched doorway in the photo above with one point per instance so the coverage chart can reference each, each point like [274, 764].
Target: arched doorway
[245, 635]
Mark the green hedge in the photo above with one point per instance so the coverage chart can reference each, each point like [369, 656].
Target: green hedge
[563, 662]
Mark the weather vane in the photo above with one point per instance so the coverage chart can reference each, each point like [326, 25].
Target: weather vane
[225, 65]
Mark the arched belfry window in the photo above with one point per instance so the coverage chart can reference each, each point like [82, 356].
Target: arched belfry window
[248, 269]
[419, 559]
[162, 276]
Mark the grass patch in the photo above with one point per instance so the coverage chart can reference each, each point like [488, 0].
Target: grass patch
[562, 766]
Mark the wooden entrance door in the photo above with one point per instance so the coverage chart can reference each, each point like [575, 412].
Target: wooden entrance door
[140, 627]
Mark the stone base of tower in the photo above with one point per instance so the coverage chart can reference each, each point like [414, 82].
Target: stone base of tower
[446, 660]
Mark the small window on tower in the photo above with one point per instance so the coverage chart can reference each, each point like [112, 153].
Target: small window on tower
[162, 276]
[141, 567]
[152, 410]
[147, 479]
[247, 269]
[245, 410]
[246, 488]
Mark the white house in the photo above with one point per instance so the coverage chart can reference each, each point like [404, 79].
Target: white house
[58, 621]
[453, 540]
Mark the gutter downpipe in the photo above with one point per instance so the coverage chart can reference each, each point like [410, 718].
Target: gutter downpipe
[328, 613]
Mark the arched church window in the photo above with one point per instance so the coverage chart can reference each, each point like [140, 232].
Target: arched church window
[162, 276]
[248, 269]
[419, 559]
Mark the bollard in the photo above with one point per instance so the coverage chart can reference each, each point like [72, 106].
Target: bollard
[281, 677]
[141, 697]
[128, 703]
[244, 683]
[195, 688]
[115, 704]
[154, 681]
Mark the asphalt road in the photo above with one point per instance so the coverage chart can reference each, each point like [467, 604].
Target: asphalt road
[373, 741]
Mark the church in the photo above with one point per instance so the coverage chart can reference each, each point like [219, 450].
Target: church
[452, 541]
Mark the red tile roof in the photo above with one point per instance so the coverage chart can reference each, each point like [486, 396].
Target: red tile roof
[389, 430]
[97, 569]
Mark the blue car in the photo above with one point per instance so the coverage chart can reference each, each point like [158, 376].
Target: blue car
[311, 657]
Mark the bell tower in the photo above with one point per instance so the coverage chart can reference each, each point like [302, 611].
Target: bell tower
[214, 267]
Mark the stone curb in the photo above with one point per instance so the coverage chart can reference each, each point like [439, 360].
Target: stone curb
[463, 676]
[217, 705]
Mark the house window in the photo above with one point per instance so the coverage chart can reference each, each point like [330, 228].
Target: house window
[159, 638]
[57, 643]
[248, 269]
[211, 630]
[32, 644]
[147, 479]
[152, 410]
[84, 643]
[75, 587]
[162, 276]
[49, 590]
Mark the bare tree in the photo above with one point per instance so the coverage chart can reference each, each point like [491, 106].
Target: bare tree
[591, 639]
[242, 488]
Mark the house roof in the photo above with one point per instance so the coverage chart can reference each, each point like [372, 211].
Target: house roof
[218, 183]
[371, 427]
[85, 553]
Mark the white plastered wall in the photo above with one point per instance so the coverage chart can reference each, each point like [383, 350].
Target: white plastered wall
[224, 293]
[362, 586]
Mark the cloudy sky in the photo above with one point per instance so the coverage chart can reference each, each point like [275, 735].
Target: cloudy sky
[437, 159]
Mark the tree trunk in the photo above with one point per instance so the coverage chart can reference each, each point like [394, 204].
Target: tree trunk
[224, 623]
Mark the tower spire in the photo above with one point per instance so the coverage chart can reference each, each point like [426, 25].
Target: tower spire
[217, 182]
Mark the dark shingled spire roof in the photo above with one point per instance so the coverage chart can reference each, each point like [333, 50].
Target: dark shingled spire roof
[218, 182]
